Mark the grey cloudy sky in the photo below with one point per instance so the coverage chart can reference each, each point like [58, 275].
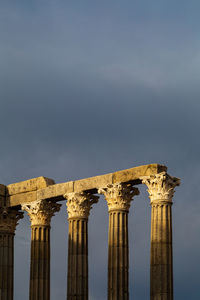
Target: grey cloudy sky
[90, 87]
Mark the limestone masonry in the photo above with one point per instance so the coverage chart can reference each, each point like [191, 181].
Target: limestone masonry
[39, 197]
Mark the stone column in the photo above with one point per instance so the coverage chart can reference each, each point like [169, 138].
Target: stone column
[118, 197]
[78, 207]
[40, 213]
[8, 222]
[161, 189]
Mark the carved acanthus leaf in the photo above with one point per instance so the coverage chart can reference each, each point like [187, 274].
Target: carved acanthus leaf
[41, 212]
[9, 219]
[161, 186]
[119, 195]
[79, 204]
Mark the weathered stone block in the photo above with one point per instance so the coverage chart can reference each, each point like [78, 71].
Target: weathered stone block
[92, 182]
[56, 190]
[18, 199]
[29, 185]
[137, 172]
[44, 188]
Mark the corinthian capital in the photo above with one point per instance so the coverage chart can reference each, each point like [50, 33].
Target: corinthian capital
[119, 195]
[41, 212]
[79, 204]
[161, 186]
[9, 219]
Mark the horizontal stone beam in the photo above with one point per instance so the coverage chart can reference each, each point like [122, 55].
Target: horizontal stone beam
[32, 192]
[30, 185]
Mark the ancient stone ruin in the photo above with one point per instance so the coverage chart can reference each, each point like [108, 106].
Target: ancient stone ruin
[40, 197]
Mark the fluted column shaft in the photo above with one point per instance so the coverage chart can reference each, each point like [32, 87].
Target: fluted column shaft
[40, 263]
[6, 265]
[78, 207]
[161, 190]
[161, 268]
[118, 255]
[77, 287]
[40, 214]
[118, 197]
[8, 222]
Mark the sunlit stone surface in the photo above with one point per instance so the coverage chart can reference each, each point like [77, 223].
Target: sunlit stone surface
[161, 190]
[118, 197]
[8, 221]
[78, 208]
[39, 197]
[40, 213]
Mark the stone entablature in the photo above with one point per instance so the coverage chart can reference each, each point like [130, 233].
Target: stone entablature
[42, 188]
[30, 185]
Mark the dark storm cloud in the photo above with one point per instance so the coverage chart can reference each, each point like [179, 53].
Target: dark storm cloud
[94, 88]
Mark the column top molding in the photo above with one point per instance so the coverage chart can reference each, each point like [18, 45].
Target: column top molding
[41, 212]
[42, 188]
[79, 204]
[161, 187]
[9, 219]
[119, 195]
